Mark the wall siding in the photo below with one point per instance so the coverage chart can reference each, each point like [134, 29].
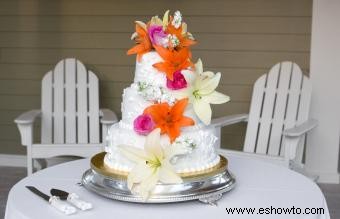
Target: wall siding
[241, 39]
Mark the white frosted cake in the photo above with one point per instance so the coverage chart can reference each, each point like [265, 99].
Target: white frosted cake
[170, 96]
[201, 139]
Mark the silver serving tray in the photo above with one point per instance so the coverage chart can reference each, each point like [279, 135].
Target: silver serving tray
[207, 188]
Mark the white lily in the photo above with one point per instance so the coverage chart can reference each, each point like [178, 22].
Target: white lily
[152, 164]
[201, 91]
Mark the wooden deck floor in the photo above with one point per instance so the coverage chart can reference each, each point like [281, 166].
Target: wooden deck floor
[11, 175]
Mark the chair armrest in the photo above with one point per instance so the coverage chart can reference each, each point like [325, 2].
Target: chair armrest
[27, 117]
[301, 129]
[25, 126]
[107, 116]
[229, 120]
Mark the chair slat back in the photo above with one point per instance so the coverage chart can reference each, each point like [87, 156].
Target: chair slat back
[70, 104]
[280, 100]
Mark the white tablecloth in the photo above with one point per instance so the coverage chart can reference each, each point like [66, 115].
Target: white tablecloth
[259, 185]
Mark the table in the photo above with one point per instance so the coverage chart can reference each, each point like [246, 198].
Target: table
[259, 185]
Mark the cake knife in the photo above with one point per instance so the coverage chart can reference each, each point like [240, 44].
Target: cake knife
[54, 201]
[71, 198]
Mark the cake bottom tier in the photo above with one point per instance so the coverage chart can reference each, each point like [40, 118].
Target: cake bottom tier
[199, 142]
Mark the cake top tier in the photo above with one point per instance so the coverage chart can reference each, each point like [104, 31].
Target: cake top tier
[169, 37]
[163, 47]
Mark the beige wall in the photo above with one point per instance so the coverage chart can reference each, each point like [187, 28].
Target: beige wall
[240, 38]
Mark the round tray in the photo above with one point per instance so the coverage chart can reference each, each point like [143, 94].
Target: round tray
[206, 186]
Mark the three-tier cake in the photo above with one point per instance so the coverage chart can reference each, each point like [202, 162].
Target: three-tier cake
[165, 129]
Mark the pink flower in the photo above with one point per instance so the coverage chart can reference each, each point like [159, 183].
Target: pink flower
[179, 81]
[158, 36]
[143, 124]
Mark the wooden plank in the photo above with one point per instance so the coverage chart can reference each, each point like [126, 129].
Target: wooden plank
[12, 147]
[196, 24]
[305, 99]
[254, 114]
[267, 110]
[303, 112]
[70, 100]
[14, 87]
[7, 116]
[82, 105]
[293, 99]
[11, 132]
[47, 99]
[280, 107]
[232, 142]
[132, 7]
[23, 71]
[17, 102]
[93, 98]
[207, 41]
[118, 57]
[58, 103]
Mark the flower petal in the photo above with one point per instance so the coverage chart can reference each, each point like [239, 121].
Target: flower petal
[216, 98]
[174, 131]
[178, 109]
[184, 28]
[165, 19]
[186, 121]
[208, 85]
[183, 93]
[132, 153]
[199, 67]
[203, 111]
[189, 76]
[139, 173]
[147, 185]
[153, 145]
[141, 24]
[208, 74]
[157, 111]
[168, 175]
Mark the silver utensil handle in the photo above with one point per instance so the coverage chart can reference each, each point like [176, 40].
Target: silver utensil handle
[74, 200]
[62, 206]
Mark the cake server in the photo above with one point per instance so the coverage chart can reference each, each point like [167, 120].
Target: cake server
[71, 198]
[54, 201]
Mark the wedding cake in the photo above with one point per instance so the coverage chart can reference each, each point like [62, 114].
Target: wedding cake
[165, 130]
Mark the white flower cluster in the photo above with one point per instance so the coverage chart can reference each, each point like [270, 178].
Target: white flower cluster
[174, 41]
[188, 143]
[177, 21]
[154, 93]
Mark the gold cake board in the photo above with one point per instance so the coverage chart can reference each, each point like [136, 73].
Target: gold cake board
[207, 186]
[98, 165]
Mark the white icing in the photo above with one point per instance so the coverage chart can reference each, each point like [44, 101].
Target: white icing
[146, 72]
[201, 157]
[134, 104]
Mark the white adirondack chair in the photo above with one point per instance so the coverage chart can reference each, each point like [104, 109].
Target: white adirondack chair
[70, 115]
[278, 118]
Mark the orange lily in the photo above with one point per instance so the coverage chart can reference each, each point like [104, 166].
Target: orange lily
[170, 119]
[173, 60]
[182, 37]
[143, 43]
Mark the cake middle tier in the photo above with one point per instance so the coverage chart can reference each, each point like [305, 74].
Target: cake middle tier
[135, 102]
